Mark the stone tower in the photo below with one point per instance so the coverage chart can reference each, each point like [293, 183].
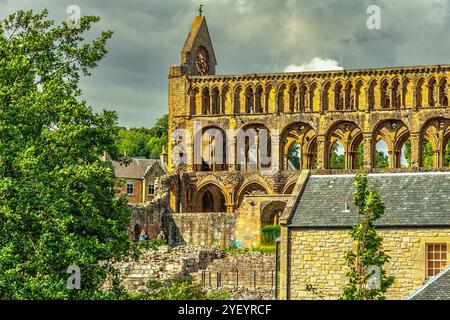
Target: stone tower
[198, 52]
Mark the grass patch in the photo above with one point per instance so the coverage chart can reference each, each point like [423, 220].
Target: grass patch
[262, 249]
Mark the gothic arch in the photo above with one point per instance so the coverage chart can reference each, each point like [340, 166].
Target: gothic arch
[394, 133]
[213, 151]
[194, 98]
[282, 104]
[206, 101]
[237, 101]
[253, 147]
[254, 184]
[350, 136]
[211, 197]
[270, 98]
[215, 101]
[271, 213]
[338, 96]
[437, 132]
[305, 136]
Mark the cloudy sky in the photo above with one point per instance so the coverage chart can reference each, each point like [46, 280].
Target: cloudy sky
[249, 36]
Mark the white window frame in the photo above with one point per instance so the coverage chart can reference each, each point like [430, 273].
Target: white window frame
[130, 183]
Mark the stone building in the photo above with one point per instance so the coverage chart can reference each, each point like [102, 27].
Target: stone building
[315, 234]
[239, 142]
[140, 177]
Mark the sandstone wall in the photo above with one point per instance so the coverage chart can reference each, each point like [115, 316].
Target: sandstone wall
[214, 229]
[244, 275]
[317, 258]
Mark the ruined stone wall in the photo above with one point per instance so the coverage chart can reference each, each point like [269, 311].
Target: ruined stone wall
[165, 264]
[252, 270]
[214, 229]
[317, 258]
[244, 275]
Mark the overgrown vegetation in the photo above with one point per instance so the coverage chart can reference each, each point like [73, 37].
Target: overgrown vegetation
[262, 249]
[269, 234]
[178, 289]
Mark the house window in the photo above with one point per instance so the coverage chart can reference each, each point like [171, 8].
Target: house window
[151, 188]
[436, 258]
[130, 187]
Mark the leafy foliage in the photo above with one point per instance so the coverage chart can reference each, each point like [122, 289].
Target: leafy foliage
[294, 154]
[427, 160]
[179, 289]
[269, 234]
[368, 246]
[142, 142]
[337, 161]
[381, 160]
[447, 154]
[58, 205]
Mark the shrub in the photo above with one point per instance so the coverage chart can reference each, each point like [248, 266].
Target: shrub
[269, 234]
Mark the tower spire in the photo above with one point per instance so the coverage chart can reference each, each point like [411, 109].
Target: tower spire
[200, 10]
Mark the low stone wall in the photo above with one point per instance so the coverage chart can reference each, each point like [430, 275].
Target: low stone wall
[249, 275]
[164, 264]
[255, 271]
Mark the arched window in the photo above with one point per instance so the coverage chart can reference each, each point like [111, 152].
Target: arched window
[249, 101]
[337, 156]
[207, 202]
[382, 157]
[295, 157]
[206, 101]
[338, 97]
[215, 105]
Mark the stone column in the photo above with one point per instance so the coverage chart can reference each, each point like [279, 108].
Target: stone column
[322, 101]
[321, 152]
[415, 106]
[367, 153]
[231, 150]
[275, 152]
[415, 150]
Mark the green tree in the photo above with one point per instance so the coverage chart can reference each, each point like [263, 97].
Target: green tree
[133, 142]
[360, 157]
[336, 159]
[368, 243]
[294, 154]
[381, 160]
[159, 137]
[427, 159]
[408, 152]
[58, 205]
[447, 154]
[143, 142]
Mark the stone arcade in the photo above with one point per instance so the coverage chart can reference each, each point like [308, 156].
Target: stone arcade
[230, 194]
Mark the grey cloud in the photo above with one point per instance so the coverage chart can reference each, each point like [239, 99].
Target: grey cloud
[249, 36]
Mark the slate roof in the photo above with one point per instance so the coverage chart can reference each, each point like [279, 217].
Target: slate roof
[437, 288]
[136, 169]
[411, 199]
